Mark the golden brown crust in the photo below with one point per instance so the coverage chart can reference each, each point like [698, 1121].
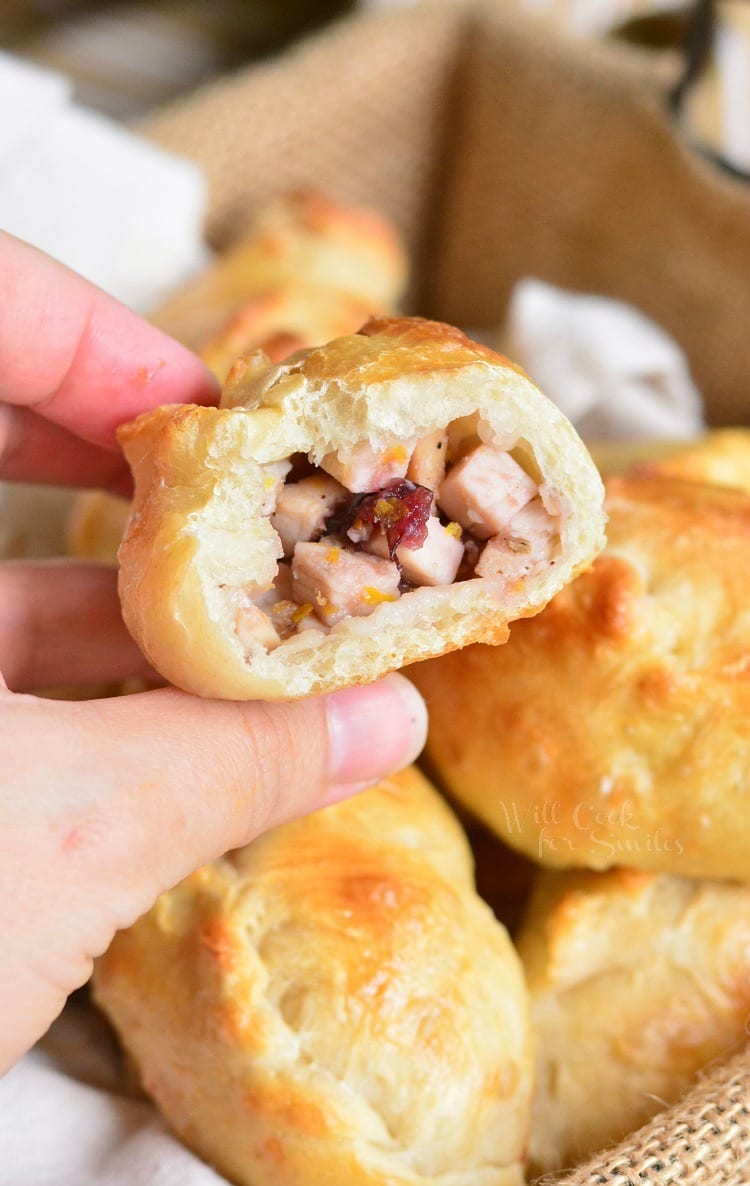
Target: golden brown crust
[637, 982]
[197, 527]
[303, 237]
[95, 526]
[612, 729]
[287, 318]
[722, 458]
[619, 457]
[333, 1004]
[411, 346]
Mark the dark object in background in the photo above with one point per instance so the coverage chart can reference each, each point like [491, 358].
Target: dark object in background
[707, 96]
[127, 58]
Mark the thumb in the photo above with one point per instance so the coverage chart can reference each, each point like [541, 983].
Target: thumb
[105, 804]
[192, 778]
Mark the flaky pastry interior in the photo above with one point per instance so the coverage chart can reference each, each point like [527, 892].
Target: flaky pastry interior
[379, 500]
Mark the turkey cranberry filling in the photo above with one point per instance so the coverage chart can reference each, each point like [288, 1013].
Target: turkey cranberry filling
[369, 527]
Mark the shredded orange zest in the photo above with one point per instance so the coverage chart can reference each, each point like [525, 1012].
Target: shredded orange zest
[455, 530]
[302, 611]
[397, 453]
[372, 596]
[333, 555]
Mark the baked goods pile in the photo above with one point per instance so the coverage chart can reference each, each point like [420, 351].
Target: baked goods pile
[611, 734]
[335, 1003]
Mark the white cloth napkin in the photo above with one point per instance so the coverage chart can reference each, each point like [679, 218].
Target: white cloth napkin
[55, 1131]
[611, 370]
[125, 214]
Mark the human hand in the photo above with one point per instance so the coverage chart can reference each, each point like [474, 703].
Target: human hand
[104, 804]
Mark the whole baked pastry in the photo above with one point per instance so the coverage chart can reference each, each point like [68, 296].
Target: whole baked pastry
[721, 458]
[289, 317]
[304, 237]
[613, 728]
[637, 981]
[95, 526]
[334, 1004]
[384, 498]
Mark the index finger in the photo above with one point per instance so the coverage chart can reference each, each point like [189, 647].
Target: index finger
[78, 357]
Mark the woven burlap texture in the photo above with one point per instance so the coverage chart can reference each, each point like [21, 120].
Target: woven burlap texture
[703, 1140]
[360, 111]
[567, 167]
[501, 153]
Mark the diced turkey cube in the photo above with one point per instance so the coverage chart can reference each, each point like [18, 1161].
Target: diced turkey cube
[303, 507]
[340, 584]
[253, 627]
[377, 544]
[523, 547]
[435, 563]
[363, 469]
[427, 465]
[485, 490]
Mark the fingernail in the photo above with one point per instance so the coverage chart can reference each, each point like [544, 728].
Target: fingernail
[374, 730]
[338, 791]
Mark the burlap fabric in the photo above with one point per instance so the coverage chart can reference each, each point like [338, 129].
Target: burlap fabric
[500, 152]
[703, 1140]
[362, 111]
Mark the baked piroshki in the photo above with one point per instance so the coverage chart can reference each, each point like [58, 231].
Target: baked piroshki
[637, 982]
[334, 1003]
[382, 499]
[613, 728]
[721, 458]
[305, 237]
[95, 526]
[290, 317]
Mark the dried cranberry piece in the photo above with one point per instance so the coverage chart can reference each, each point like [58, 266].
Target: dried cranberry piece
[401, 508]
